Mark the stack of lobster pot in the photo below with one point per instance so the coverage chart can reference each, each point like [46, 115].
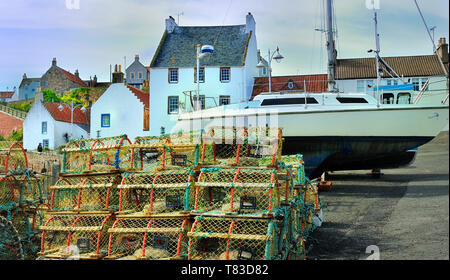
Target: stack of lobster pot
[21, 203]
[84, 201]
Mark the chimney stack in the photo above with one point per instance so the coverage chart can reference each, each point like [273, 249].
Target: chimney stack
[170, 24]
[77, 73]
[250, 24]
[24, 75]
[136, 57]
[117, 76]
[442, 50]
[54, 61]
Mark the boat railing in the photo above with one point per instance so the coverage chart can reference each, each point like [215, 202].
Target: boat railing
[422, 91]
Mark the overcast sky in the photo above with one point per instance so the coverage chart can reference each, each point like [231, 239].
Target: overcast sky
[102, 32]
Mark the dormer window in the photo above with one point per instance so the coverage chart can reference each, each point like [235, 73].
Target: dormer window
[173, 75]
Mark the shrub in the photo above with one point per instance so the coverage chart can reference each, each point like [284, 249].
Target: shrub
[21, 106]
[59, 149]
[16, 135]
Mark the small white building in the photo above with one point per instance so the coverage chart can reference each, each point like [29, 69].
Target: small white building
[122, 109]
[8, 96]
[226, 75]
[47, 124]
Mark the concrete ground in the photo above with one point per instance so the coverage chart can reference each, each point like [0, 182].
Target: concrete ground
[405, 212]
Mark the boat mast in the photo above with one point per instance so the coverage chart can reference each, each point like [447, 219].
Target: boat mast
[377, 56]
[330, 47]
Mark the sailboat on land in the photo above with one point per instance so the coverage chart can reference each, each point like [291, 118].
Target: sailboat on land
[333, 131]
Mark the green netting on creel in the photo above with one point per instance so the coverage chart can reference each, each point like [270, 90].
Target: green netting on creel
[221, 238]
[89, 193]
[169, 151]
[242, 190]
[156, 192]
[96, 154]
[241, 146]
[10, 245]
[87, 233]
[132, 238]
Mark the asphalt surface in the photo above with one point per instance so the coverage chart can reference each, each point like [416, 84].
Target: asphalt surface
[405, 213]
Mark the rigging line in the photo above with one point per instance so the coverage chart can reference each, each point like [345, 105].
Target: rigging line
[322, 49]
[335, 28]
[314, 38]
[220, 30]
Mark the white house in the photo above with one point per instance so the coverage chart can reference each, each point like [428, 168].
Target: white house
[47, 124]
[9, 95]
[226, 75]
[122, 109]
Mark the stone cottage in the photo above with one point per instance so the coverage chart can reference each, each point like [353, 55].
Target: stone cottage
[60, 80]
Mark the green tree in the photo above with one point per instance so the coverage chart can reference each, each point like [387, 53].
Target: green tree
[50, 96]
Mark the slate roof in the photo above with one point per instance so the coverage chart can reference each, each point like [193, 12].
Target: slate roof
[314, 84]
[28, 81]
[178, 49]
[64, 116]
[408, 66]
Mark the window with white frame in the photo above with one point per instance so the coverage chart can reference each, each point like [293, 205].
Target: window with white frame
[45, 143]
[173, 105]
[173, 75]
[201, 75]
[224, 100]
[44, 128]
[225, 74]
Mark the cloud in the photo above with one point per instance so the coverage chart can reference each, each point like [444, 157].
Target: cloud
[102, 32]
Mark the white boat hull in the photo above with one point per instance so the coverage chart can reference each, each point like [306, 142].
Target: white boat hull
[338, 139]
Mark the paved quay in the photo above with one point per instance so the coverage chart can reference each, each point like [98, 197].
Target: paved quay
[405, 213]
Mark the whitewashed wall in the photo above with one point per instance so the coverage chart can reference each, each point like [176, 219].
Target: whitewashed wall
[32, 129]
[126, 113]
[61, 128]
[161, 89]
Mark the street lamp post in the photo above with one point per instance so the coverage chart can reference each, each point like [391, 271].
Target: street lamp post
[274, 55]
[201, 51]
[72, 108]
